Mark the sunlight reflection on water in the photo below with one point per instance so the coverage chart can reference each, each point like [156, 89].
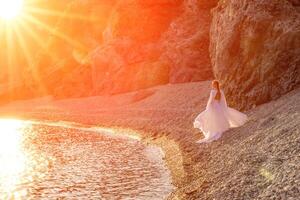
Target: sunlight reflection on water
[12, 158]
[17, 165]
[38, 161]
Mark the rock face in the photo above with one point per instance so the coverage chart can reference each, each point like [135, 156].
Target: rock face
[148, 43]
[255, 48]
[186, 43]
[100, 47]
[128, 58]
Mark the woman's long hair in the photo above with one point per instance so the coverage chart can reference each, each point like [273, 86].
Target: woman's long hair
[218, 95]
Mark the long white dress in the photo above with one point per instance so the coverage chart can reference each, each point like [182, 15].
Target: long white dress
[217, 118]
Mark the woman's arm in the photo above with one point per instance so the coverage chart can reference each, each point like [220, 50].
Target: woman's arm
[223, 99]
[210, 100]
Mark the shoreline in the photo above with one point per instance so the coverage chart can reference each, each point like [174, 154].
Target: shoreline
[112, 132]
[163, 116]
[157, 134]
[125, 132]
[166, 145]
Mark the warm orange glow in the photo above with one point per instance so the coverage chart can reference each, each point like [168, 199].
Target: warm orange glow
[9, 9]
[28, 28]
[54, 31]
[57, 13]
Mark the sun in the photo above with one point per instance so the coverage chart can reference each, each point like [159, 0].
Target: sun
[9, 9]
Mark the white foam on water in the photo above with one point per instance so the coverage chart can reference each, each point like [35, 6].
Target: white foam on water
[105, 131]
[156, 155]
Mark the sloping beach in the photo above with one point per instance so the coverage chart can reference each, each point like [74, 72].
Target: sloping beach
[257, 161]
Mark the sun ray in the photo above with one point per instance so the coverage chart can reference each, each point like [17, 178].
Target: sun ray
[9, 53]
[54, 31]
[20, 39]
[30, 63]
[44, 45]
[55, 13]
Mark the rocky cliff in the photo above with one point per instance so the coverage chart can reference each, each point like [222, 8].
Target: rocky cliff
[107, 47]
[97, 47]
[151, 43]
[186, 42]
[255, 48]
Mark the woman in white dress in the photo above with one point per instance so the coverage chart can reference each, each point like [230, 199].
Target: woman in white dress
[217, 117]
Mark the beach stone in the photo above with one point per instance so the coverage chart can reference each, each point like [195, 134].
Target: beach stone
[255, 48]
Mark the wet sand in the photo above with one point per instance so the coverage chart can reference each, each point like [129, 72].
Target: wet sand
[256, 161]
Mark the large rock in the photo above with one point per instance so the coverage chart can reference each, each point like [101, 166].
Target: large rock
[255, 48]
[123, 65]
[128, 58]
[186, 43]
[97, 47]
[172, 34]
[143, 20]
